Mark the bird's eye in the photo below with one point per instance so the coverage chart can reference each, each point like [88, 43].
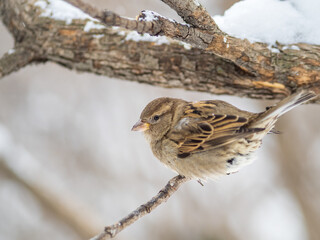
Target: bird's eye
[156, 118]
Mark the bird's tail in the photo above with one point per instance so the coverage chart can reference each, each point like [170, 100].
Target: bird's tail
[270, 116]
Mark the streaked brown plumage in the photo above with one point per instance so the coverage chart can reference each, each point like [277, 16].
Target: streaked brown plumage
[207, 139]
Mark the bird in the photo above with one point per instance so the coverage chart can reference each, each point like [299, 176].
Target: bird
[208, 139]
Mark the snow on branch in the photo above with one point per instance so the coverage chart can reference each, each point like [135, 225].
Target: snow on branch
[152, 23]
[195, 55]
[201, 31]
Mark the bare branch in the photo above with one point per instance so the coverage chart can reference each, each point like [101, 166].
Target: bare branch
[193, 13]
[15, 59]
[164, 194]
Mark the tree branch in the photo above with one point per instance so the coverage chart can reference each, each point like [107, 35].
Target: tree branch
[217, 63]
[163, 195]
[256, 59]
[151, 23]
[193, 13]
[15, 59]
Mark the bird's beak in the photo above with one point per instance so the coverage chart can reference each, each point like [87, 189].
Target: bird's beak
[140, 126]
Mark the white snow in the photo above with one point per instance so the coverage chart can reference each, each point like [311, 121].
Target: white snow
[287, 22]
[273, 49]
[134, 36]
[186, 46]
[196, 3]
[92, 25]
[61, 10]
[150, 16]
[291, 47]
[158, 40]
[12, 50]
[98, 35]
[294, 47]
[269, 21]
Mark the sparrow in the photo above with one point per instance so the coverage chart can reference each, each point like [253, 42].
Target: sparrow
[208, 139]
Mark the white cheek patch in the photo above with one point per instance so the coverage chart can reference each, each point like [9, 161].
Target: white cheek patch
[148, 137]
[183, 122]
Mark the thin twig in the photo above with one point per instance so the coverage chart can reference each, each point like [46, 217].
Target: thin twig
[164, 194]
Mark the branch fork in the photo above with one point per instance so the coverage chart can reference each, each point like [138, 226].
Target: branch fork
[217, 62]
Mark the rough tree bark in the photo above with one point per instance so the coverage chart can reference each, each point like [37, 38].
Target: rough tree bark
[216, 63]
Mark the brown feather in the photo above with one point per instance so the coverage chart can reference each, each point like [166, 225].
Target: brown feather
[207, 130]
[208, 139]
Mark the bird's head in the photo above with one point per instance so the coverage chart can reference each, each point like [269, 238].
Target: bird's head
[157, 117]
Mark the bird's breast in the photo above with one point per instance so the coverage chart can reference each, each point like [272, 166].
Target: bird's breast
[166, 151]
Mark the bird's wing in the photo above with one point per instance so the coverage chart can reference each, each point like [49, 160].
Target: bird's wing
[201, 130]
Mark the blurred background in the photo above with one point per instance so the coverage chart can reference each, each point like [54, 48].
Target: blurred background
[69, 164]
